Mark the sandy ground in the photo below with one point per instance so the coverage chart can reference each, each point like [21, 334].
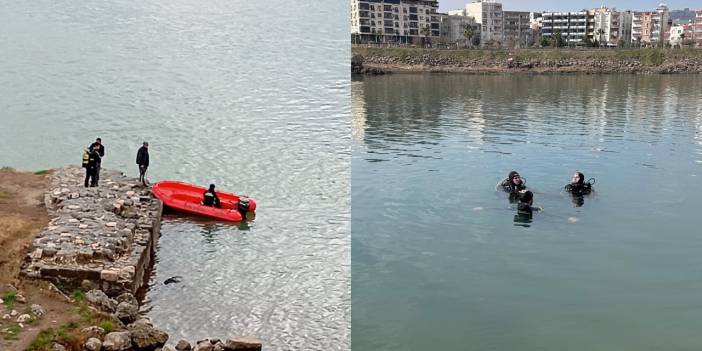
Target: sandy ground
[22, 216]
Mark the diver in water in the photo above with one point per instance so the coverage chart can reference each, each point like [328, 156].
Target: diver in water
[526, 200]
[525, 210]
[578, 186]
[513, 184]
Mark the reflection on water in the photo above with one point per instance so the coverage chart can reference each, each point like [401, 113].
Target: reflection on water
[249, 95]
[439, 259]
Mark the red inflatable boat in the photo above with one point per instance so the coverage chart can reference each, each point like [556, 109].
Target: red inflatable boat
[188, 198]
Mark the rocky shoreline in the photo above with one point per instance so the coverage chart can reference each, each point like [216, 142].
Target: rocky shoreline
[98, 237]
[381, 61]
[101, 240]
[139, 334]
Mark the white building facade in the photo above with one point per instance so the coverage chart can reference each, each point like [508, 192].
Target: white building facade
[453, 30]
[572, 26]
[660, 26]
[517, 29]
[677, 34]
[394, 21]
[488, 14]
[611, 27]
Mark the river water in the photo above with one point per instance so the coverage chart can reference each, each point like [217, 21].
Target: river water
[251, 96]
[438, 262]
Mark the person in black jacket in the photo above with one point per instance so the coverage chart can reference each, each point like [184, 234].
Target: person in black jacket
[210, 197]
[142, 159]
[101, 152]
[92, 167]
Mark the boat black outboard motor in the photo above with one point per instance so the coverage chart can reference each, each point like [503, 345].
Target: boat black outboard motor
[243, 206]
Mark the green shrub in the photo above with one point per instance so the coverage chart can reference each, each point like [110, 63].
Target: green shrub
[108, 326]
[9, 298]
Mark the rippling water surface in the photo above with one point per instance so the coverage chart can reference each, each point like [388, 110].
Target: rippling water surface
[249, 95]
[440, 264]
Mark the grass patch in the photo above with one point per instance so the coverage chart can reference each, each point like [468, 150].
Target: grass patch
[42, 172]
[652, 58]
[5, 195]
[108, 326]
[11, 331]
[9, 298]
[85, 313]
[78, 295]
[66, 334]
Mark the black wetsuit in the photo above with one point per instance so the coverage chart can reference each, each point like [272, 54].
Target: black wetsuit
[509, 186]
[525, 209]
[579, 189]
[210, 198]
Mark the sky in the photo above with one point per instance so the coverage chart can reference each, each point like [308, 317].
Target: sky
[561, 5]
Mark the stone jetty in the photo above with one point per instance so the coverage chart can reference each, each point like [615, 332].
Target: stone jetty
[98, 237]
[102, 240]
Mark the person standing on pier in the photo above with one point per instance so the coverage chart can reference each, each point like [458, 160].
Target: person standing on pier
[142, 159]
[92, 167]
[101, 152]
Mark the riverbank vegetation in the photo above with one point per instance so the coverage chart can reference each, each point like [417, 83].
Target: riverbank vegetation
[648, 56]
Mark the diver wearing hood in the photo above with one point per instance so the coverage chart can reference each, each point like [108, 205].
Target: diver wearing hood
[578, 186]
[513, 183]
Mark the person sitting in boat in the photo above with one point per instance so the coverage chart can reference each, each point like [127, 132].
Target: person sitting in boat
[578, 186]
[210, 197]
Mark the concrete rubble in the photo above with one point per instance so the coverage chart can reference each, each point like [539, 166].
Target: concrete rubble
[101, 236]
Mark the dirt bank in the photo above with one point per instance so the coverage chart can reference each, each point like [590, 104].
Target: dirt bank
[527, 61]
[22, 216]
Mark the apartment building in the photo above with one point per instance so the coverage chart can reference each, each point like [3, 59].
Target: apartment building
[641, 27]
[573, 26]
[453, 29]
[651, 28]
[697, 28]
[517, 29]
[660, 26]
[625, 18]
[488, 14]
[394, 21]
[680, 34]
[606, 26]
[610, 27]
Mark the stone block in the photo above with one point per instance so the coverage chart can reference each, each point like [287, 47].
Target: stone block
[243, 343]
[109, 275]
